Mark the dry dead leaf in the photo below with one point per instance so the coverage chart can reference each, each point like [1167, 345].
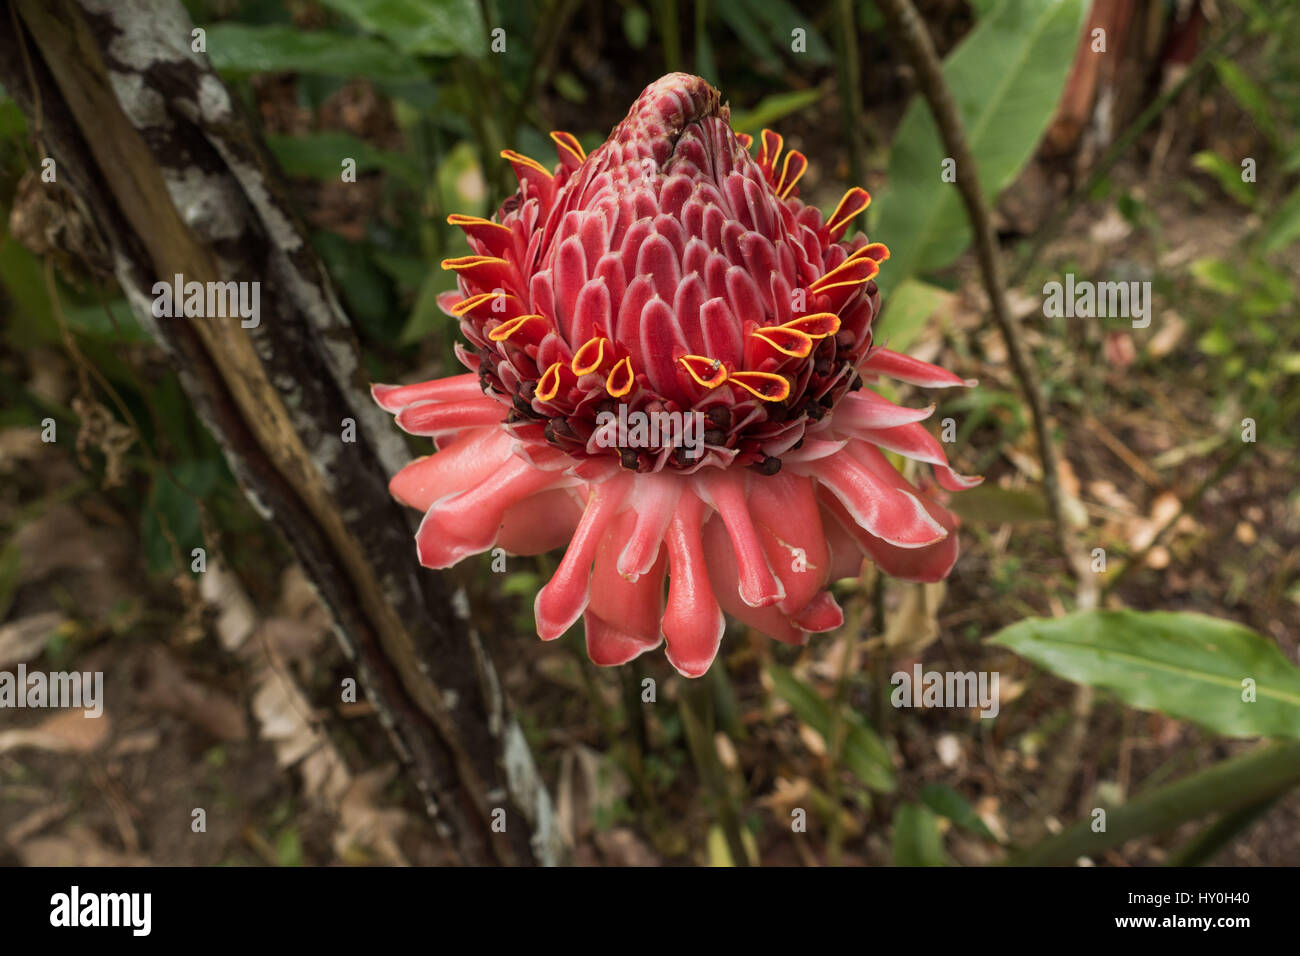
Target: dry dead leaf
[914, 624]
[76, 846]
[367, 830]
[620, 846]
[171, 690]
[236, 617]
[64, 731]
[24, 639]
[62, 540]
[1171, 331]
[948, 747]
[1143, 530]
[36, 821]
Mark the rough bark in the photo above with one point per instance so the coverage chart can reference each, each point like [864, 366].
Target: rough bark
[157, 154]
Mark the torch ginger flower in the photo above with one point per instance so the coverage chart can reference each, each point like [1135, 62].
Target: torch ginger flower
[670, 271]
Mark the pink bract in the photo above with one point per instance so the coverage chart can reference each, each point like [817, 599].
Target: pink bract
[671, 272]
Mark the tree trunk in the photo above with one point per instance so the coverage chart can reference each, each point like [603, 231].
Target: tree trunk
[157, 154]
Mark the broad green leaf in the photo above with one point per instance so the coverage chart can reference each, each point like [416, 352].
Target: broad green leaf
[865, 754]
[757, 21]
[947, 802]
[366, 291]
[437, 27]
[240, 48]
[771, 109]
[765, 30]
[1226, 175]
[1006, 77]
[1283, 227]
[1190, 666]
[992, 504]
[407, 270]
[917, 841]
[906, 311]
[321, 155]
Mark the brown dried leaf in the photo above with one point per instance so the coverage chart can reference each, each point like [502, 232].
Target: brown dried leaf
[64, 731]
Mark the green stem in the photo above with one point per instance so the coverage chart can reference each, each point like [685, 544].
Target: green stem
[849, 82]
[1230, 786]
[670, 34]
[1206, 845]
[637, 744]
[698, 722]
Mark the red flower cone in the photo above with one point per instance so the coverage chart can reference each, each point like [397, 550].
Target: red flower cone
[668, 354]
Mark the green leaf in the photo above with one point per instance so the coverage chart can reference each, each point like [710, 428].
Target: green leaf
[1248, 95]
[321, 155]
[365, 289]
[176, 505]
[1006, 77]
[779, 20]
[435, 27]
[13, 122]
[865, 754]
[636, 26]
[735, 14]
[94, 321]
[1283, 227]
[1217, 275]
[1226, 175]
[773, 108]
[947, 802]
[427, 317]
[992, 504]
[917, 841]
[240, 48]
[288, 847]
[906, 312]
[1186, 665]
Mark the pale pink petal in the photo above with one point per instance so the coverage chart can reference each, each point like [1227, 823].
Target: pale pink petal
[562, 599]
[693, 624]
